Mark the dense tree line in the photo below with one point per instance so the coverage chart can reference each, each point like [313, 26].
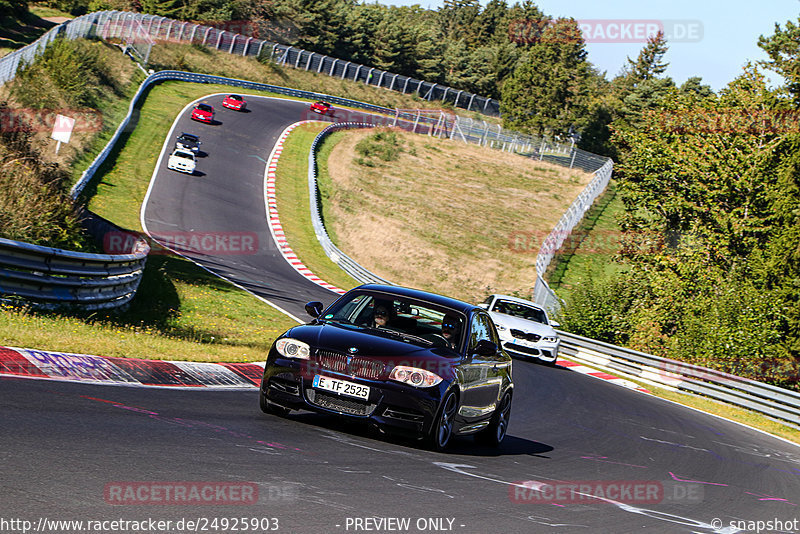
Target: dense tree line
[711, 230]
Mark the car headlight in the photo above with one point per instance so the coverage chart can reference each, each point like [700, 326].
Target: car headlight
[550, 339]
[414, 376]
[501, 327]
[291, 348]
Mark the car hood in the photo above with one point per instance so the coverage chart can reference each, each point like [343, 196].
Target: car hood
[373, 344]
[518, 323]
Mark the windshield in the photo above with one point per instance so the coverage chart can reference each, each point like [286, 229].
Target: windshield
[413, 321]
[518, 309]
[204, 107]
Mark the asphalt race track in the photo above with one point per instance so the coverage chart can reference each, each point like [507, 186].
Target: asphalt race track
[581, 455]
[225, 199]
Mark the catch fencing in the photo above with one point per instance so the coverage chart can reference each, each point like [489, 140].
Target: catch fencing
[779, 403]
[139, 31]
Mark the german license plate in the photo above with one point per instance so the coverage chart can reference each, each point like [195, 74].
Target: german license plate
[342, 387]
[525, 342]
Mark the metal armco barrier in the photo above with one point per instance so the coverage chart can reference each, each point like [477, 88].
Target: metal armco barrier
[775, 402]
[48, 277]
[338, 257]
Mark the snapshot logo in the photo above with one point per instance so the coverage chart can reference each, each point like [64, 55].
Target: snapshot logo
[530, 31]
[44, 120]
[592, 491]
[181, 493]
[213, 243]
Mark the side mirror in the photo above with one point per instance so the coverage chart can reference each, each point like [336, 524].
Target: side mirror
[314, 309]
[485, 348]
[484, 305]
[555, 324]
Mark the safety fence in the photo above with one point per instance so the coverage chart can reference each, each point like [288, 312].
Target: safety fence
[542, 294]
[345, 262]
[140, 31]
[778, 403]
[46, 277]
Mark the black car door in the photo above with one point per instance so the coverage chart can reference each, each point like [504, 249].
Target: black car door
[482, 374]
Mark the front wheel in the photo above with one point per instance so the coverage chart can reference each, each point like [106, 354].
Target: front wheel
[442, 429]
[493, 434]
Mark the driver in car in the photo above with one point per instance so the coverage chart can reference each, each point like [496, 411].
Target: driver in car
[450, 328]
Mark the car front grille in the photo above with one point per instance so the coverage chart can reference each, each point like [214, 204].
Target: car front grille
[351, 365]
[339, 404]
[521, 348]
[528, 336]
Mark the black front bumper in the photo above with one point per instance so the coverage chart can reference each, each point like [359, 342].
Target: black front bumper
[391, 405]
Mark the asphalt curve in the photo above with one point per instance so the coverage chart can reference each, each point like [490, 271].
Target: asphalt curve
[225, 200]
[581, 455]
[64, 444]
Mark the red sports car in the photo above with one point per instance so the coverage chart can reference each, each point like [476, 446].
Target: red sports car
[234, 102]
[203, 113]
[321, 107]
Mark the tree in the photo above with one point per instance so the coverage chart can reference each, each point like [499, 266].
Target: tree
[783, 49]
[548, 91]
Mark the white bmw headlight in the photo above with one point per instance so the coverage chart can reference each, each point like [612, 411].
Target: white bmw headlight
[292, 348]
[500, 327]
[550, 339]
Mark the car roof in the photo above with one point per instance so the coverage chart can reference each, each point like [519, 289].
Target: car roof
[517, 299]
[441, 300]
[191, 136]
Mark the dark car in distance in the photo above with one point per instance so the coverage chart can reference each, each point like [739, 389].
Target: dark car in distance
[404, 360]
[188, 142]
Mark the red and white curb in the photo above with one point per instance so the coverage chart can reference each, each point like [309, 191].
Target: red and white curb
[275, 227]
[39, 364]
[580, 368]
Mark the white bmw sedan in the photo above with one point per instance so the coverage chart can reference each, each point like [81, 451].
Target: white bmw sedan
[524, 327]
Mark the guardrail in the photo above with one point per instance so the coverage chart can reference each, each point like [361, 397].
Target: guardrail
[772, 401]
[46, 277]
[345, 262]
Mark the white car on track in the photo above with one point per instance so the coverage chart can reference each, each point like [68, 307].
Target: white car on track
[525, 329]
[182, 161]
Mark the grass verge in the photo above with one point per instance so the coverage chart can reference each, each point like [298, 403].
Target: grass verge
[590, 250]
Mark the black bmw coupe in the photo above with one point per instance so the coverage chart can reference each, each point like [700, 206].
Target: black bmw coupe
[405, 360]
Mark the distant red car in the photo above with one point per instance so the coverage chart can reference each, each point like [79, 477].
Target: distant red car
[236, 102]
[321, 107]
[203, 113]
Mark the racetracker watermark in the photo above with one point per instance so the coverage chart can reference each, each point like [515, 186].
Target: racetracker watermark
[530, 31]
[592, 491]
[181, 493]
[729, 121]
[46, 120]
[214, 243]
[535, 242]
